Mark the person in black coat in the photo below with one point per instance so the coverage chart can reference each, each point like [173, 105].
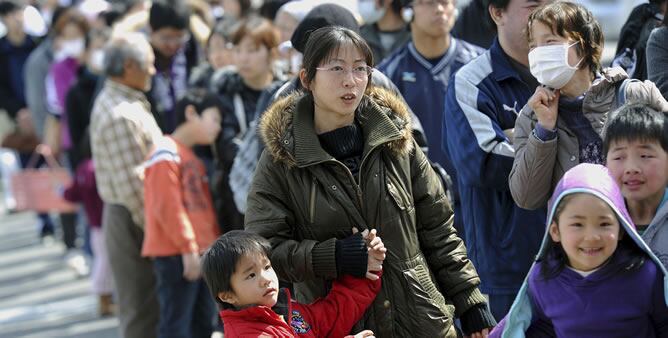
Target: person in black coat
[239, 88]
[80, 97]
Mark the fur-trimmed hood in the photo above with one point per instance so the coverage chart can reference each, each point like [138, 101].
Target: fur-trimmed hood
[383, 115]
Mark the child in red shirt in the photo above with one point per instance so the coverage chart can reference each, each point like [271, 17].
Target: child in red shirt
[240, 276]
[180, 218]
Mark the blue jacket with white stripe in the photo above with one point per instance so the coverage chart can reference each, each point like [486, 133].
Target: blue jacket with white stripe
[423, 85]
[483, 99]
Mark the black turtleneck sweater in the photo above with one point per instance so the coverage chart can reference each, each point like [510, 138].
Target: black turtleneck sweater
[346, 144]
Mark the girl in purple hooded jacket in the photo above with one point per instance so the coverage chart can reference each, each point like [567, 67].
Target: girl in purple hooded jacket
[594, 276]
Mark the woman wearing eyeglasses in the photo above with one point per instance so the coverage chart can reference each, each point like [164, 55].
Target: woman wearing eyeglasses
[338, 156]
[562, 123]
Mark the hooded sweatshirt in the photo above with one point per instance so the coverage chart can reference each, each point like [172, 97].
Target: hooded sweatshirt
[617, 300]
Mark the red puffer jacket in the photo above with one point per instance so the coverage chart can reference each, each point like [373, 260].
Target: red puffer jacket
[332, 316]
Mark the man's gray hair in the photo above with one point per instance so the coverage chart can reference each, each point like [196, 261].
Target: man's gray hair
[126, 46]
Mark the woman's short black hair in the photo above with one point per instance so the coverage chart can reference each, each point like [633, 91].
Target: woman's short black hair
[200, 98]
[220, 261]
[501, 4]
[636, 122]
[325, 43]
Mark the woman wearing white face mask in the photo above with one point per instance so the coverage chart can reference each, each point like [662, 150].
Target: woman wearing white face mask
[69, 45]
[561, 124]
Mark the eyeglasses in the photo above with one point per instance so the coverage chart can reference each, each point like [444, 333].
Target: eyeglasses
[433, 3]
[171, 40]
[359, 72]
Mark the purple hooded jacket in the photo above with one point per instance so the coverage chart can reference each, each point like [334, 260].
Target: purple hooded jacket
[617, 300]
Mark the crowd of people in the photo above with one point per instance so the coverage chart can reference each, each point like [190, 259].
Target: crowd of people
[378, 168]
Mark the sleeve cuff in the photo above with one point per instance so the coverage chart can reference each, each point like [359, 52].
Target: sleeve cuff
[467, 299]
[476, 319]
[544, 134]
[352, 256]
[323, 259]
[191, 247]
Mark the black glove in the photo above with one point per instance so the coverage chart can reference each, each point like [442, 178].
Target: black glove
[351, 256]
[477, 318]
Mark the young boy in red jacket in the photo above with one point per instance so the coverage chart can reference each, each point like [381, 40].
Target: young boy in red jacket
[240, 277]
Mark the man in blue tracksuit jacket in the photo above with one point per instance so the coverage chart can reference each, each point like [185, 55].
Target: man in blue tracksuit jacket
[421, 70]
[481, 105]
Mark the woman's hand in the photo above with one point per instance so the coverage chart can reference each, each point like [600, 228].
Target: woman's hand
[545, 104]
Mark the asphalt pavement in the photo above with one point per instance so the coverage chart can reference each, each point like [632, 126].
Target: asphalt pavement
[40, 296]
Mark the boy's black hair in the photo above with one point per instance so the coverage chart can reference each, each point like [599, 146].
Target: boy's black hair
[200, 99]
[503, 4]
[555, 259]
[169, 14]
[220, 261]
[636, 122]
[8, 6]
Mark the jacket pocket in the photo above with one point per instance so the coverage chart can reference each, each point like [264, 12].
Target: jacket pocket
[396, 196]
[425, 312]
[401, 198]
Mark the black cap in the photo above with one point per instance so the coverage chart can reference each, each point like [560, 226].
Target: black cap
[322, 16]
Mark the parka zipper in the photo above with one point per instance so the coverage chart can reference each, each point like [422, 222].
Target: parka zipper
[312, 201]
[358, 187]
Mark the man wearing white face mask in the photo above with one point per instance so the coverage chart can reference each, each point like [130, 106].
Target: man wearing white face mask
[481, 105]
[383, 28]
[562, 123]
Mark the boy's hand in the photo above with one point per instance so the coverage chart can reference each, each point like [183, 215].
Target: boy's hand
[191, 267]
[482, 334]
[363, 334]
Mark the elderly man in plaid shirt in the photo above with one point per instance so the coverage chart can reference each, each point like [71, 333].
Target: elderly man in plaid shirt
[122, 133]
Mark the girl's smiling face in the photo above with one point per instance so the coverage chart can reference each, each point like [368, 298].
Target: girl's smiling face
[588, 231]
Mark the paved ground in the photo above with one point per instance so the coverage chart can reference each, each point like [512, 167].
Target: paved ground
[39, 295]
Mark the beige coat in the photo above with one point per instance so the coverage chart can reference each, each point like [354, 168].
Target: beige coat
[539, 165]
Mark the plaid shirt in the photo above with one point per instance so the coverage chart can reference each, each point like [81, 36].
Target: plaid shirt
[122, 132]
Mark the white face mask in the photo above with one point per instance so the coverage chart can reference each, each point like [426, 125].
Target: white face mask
[368, 11]
[70, 48]
[549, 65]
[96, 61]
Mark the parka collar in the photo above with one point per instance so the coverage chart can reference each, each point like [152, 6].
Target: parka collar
[288, 127]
